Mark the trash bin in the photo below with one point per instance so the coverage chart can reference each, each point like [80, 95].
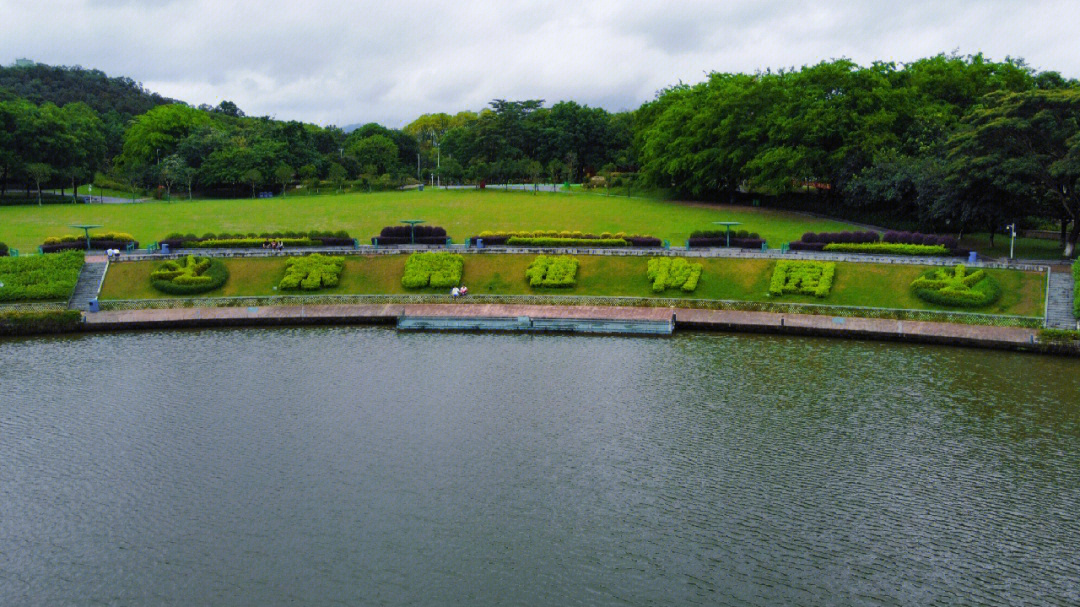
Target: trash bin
[93, 307]
[973, 257]
[165, 248]
[421, 187]
[479, 243]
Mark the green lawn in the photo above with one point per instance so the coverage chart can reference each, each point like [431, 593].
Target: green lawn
[873, 285]
[462, 212]
[1026, 248]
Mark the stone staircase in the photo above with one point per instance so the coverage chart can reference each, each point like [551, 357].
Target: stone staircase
[88, 285]
[1059, 308]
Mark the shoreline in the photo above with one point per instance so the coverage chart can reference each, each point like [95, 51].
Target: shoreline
[729, 321]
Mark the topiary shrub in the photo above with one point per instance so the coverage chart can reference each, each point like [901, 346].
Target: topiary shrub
[802, 277]
[312, 272]
[956, 287]
[189, 276]
[558, 272]
[431, 269]
[673, 273]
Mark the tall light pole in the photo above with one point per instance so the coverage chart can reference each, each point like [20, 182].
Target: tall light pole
[1012, 242]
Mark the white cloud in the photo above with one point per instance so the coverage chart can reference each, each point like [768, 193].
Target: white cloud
[343, 62]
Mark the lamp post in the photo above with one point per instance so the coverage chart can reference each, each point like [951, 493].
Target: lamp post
[412, 228]
[1012, 242]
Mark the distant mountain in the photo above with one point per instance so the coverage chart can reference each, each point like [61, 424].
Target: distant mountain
[39, 83]
[348, 128]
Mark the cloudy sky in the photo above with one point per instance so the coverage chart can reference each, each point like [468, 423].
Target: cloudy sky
[340, 62]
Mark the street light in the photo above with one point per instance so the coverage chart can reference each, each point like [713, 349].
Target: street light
[1012, 242]
[412, 228]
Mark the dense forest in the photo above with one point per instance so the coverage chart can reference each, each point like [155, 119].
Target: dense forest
[949, 143]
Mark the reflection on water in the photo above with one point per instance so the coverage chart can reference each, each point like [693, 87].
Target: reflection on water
[361, 466]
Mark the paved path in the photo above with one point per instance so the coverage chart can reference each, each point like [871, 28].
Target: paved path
[720, 320]
[90, 277]
[1059, 305]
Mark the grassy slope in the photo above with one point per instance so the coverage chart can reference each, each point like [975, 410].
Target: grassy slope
[462, 212]
[740, 279]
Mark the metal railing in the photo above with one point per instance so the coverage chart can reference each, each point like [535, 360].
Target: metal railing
[971, 318]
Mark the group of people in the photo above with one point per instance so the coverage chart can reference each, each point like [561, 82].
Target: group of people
[459, 291]
[275, 245]
[113, 254]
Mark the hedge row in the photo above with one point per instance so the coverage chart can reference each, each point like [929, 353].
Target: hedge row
[724, 234]
[118, 236]
[3, 250]
[802, 277]
[559, 272]
[40, 277]
[36, 323]
[440, 270]
[176, 240]
[886, 248]
[741, 243]
[506, 238]
[394, 235]
[1076, 289]
[246, 243]
[518, 241]
[812, 241]
[673, 273]
[189, 276]
[312, 272]
[95, 245]
[957, 288]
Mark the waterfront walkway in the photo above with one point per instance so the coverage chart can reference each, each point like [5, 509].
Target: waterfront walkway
[716, 320]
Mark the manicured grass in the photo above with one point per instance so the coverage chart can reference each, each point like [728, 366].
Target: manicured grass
[1026, 248]
[872, 285]
[463, 213]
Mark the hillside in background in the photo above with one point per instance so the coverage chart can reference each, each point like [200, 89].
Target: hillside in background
[61, 85]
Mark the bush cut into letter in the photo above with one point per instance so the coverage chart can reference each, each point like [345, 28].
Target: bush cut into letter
[189, 275]
[439, 270]
[312, 272]
[802, 278]
[555, 272]
[673, 273]
[957, 288]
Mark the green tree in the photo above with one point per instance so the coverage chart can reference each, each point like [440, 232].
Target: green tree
[254, 177]
[336, 174]
[39, 172]
[376, 154]
[284, 174]
[310, 176]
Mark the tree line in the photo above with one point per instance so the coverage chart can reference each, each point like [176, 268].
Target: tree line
[950, 143]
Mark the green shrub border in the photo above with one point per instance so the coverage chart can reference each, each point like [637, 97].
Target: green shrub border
[887, 248]
[37, 323]
[217, 272]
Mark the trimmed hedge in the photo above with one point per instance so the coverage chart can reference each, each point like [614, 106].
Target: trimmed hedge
[189, 276]
[802, 277]
[740, 243]
[431, 269]
[1076, 289]
[312, 272]
[673, 273]
[395, 235]
[957, 288]
[36, 323]
[3, 250]
[558, 272]
[518, 241]
[40, 277]
[887, 248]
[314, 238]
[819, 241]
[246, 243]
[505, 238]
[119, 236]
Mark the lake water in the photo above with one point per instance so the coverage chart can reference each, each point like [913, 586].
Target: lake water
[359, 466]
